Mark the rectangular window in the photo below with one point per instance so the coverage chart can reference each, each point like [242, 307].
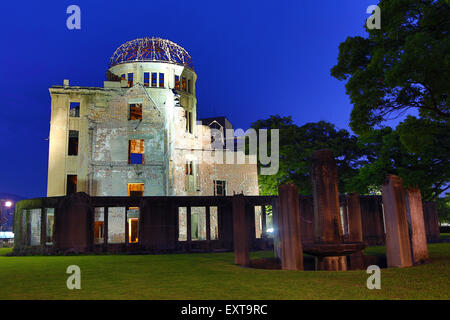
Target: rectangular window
[220, 188]
[116, 224]
[197, 175]
[183, 83]
[190, 86]
[154, 79]
[188, 116]
[136, 151]
[177, 82]
[136, 189]
[122, 77]
[72, 181]
[73, 143]
[35, 224]
[192, 176]
[135, 112]
[49, 225]
[74, 110]
[182, 221]
[130, 79]
[189, 168]
[198, 223]
[161, 80]
[213, 223]
[189, 171]
[99, 225]
[146, 79]
[258, 222]
[133, 225]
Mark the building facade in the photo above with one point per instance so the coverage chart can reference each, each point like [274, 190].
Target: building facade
[139, 134]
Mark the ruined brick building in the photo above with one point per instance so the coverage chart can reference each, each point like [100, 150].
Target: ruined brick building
[138, 134]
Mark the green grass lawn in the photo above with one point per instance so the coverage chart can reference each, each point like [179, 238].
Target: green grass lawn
[211, 276]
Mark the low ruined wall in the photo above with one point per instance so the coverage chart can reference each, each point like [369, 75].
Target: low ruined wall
[60, 225]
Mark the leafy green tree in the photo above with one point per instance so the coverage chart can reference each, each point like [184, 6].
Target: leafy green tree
[297, 143]
[404, 65]
[417, 151]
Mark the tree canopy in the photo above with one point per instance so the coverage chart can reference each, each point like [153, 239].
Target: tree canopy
[417, 151]
[404, 65]
[297, 143]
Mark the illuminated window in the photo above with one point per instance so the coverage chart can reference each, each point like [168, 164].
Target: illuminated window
[154, 79]
[135, 112]
[183, 83]
[136, 151]
[122, 77]
[177, 82]
[161, 80]
[130, 79]
[133, 228]
[220, 188]
[73, 143]
[136, 189]
[146, 79]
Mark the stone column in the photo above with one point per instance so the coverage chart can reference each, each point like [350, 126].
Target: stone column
[431, 221]
[289, 228]
[240, 231]
[327, 220]
[355, 229]
[398, 249]
[418, 232]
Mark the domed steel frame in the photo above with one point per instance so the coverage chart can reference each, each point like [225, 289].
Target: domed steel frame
[151, 49]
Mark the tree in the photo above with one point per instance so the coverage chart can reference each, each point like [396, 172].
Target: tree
[297, 143]
[443, 208]
[417, 151]
[404, 65]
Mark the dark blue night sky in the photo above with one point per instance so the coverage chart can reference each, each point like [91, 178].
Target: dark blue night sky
[253, 59]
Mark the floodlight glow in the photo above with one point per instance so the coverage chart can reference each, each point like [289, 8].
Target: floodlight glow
[8, 204]
[270, 230]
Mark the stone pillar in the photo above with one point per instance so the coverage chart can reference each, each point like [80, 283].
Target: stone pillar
[355, 229]
[398, 249]
[289, 228]
[74, 224]
[240, 231]
[431, 221]
[418, 232]
[327, 220]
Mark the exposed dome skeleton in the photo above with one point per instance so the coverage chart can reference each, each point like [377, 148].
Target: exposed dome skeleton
[151, 49]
